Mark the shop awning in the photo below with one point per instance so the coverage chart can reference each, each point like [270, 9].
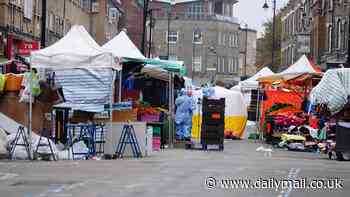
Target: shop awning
[171, 66]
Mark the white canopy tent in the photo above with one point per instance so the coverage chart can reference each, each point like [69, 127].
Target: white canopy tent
[300, 67]
[83, 68]
[252, 83]
[77, 49]
[122, 47]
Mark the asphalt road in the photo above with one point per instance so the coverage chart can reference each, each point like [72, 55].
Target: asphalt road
[173, 173]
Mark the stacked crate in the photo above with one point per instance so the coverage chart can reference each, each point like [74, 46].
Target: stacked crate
[213, 124]
[156, 142]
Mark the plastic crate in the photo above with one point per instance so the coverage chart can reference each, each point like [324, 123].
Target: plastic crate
[156, 131]
[156, 143]
[150, 118]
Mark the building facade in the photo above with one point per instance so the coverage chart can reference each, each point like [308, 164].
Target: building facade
[21, 22]
[132, 20]
[100, 17]
[318, 28]
[247, 57]
[20, 27]
[204, 34]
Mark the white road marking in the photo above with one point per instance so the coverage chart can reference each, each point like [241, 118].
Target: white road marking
[6, 176]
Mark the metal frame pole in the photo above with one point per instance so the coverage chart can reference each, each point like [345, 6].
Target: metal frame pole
[30, 111]
[273, 33]
[120, 85]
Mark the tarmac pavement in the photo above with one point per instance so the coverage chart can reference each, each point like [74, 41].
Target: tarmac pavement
[178, 172]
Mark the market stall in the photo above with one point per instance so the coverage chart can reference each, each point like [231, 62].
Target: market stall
[82, 68]
[284, 100]
[235, 111]
[147, 83]
[332, 97]
[249, 89]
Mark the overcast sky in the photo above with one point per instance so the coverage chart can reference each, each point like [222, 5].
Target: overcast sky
[252, 13]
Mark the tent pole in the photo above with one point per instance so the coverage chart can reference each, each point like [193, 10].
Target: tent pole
[257, 116]
[111, 101]
[29, 129]
[120, 85]
[172, 110]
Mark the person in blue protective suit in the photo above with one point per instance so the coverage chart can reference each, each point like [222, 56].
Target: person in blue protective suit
[185, 105]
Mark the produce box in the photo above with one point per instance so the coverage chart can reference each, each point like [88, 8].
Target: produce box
[124, 115]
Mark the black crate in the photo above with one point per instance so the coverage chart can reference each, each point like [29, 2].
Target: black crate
[212, 132]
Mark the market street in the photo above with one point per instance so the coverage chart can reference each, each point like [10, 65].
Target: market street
[171, 173]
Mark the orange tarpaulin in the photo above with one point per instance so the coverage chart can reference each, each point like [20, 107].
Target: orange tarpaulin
[277, 96]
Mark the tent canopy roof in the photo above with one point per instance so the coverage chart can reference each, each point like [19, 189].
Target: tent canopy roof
[121, 46]
[300, 67]
[77, 49]
[171, 66]
[252, 81]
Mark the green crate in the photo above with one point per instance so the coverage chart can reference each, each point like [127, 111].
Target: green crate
[156, 131]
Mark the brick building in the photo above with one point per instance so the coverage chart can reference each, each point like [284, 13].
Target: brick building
[133, 20]
[19, 27]
[203, 33]
[322, 28]
[21, 22]
[247, 57]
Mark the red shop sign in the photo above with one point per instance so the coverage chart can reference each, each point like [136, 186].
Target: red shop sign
[24, 48]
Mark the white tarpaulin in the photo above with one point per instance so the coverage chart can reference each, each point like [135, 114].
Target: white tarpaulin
[85, 89]
[122, 47]
[333, 90]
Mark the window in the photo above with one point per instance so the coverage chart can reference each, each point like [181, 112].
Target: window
[173, 37]
[51, 21]
[173, 57]
[236, 65]
[210, 7]
[219, 38]
[197, 37]
[223, 39]
[330, 39]
[197, 64]
[218, 65]
[344, 35]
[28, 9]
[339, 34]
[196, 10]
[218, 7]
[221, 64]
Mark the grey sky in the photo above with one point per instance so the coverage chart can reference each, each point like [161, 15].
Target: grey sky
[252, 13]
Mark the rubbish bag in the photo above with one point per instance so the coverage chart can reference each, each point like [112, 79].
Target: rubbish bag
[3, 151]
[79, 147]
[183, 118]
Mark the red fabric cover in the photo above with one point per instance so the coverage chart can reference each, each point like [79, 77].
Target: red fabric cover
[277, 96]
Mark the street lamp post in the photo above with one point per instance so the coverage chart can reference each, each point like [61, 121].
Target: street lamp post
[347, 65]
[246, 50]
[266, 6]
[145, 13]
